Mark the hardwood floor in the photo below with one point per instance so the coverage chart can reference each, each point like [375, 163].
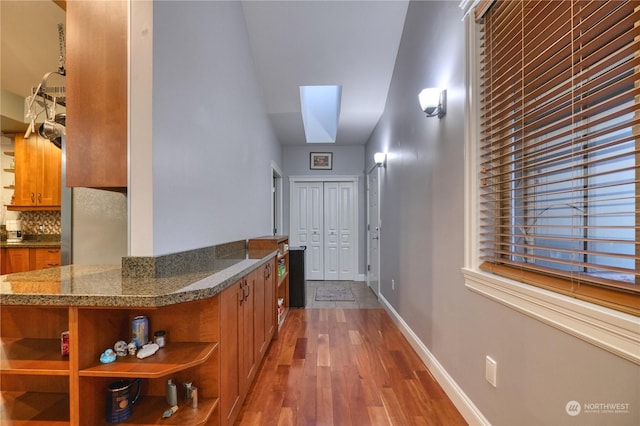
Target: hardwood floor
[344, 367]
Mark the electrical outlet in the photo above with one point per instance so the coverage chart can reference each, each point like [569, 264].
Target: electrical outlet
[393, 284]
[491, 371]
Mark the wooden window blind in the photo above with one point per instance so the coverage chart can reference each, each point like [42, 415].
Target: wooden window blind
[560, 147]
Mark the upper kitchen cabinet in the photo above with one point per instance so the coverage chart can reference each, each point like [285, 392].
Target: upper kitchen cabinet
[97, 112]
[37, 174]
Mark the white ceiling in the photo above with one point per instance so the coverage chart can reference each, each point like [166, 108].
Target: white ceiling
[349, 43]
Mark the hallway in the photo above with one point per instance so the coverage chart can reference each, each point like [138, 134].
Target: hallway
[335, 366]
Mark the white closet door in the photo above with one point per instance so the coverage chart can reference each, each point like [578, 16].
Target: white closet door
[339, 230]
[331, 231]
[346, 230]
[307, 225]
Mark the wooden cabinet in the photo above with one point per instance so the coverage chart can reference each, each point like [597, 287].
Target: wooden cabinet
[22, 259]
[238, 349]
[230, 352]
[247, 327]
[97, 109]
[16, 260]
[280, 272]
[37, 174]
[42, 387]
[216, 343]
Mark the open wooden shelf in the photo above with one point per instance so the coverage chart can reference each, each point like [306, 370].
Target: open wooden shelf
[32, 356]
[148, 411]
[9, 153]
[172, 358]
[34, 408]
[282, 279]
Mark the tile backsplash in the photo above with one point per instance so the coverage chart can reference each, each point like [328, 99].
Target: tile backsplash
[31, 221]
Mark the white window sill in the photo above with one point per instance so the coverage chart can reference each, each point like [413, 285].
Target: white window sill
[613, 331]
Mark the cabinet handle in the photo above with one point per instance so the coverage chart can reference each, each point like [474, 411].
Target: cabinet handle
[39, 198]
[242, 288]
[33, 197]
[248, 287]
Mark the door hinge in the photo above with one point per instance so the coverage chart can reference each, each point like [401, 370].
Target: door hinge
[368, 268]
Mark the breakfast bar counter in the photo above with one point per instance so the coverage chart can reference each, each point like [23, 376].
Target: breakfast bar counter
[208, 304]
[105, 285]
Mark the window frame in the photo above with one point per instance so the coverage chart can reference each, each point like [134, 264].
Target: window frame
[614, 331]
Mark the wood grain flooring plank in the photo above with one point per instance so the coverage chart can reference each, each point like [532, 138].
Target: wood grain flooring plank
[324, 354]
[340, 402]
[378, 416]
[286, 417]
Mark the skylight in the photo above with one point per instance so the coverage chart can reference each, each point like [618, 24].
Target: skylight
[320, 112]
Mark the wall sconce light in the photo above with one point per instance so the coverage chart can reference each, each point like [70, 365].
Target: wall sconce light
[380, 159]
[433, 102]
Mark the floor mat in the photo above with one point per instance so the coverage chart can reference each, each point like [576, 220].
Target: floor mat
[334, 293]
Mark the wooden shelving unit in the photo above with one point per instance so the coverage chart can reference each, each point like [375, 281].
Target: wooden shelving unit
[42, 387]
[34, 374]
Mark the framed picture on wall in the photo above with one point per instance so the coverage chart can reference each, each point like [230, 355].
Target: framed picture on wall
[321, 161]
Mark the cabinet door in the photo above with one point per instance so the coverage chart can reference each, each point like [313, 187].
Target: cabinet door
[230, 350]
[17, 260]
[48, 185]
[97, 111]
[37, 173]
[248, 338]
[259, 331]
[26, 171]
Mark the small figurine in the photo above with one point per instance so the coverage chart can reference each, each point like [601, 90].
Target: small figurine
[147, 350]
[121, 348]
[132, 347]
[108, 356]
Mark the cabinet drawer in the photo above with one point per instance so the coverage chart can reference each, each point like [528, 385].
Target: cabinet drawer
[16, 260]
[47, 258]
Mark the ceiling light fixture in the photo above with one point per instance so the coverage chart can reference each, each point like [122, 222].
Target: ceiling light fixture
[433, 102]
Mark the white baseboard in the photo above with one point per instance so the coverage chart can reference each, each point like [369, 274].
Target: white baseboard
[467, 408]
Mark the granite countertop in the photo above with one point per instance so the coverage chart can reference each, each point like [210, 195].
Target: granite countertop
[31, 244]
[104, 285]
[34, 241]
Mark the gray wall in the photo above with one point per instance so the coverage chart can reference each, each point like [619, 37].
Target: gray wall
[212, 142]
[347, 160]
[540, 368]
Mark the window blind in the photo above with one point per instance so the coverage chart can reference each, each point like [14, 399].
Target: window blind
[560, 147]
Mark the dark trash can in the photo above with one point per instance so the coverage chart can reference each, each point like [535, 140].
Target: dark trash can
[297, 294]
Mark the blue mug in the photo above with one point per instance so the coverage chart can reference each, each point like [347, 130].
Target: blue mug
[120, 399]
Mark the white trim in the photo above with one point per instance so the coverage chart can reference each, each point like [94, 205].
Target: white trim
[275, 170]
[332, 178]
[613, 331]
[467, 6]
[463, 403]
